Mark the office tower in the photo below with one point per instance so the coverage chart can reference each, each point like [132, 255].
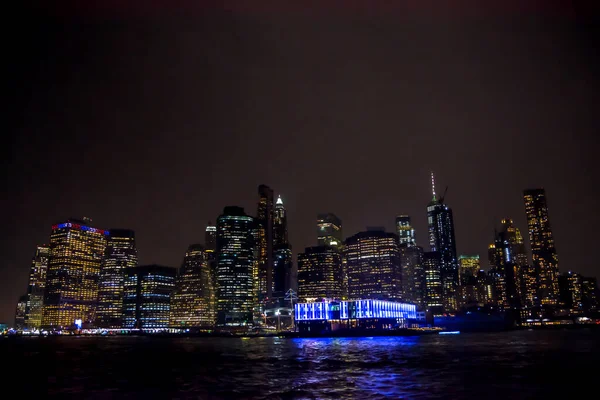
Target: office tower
[373, 266]
[37, 286]
[468, 271]
[282, 274]
[121, 253]
[405, 231]
[20, 312]
[468, 267]
[76, 253]
[571, 292]
[210, 238]
[319, 274]
[329, 231]
[235, 267]
[433, 282]
[193, 302]
[543, 252]
[589, 295]
[264, 223]
[413, 275]
[280, 232]
[147, 296]
[506, 274]
[443, 241]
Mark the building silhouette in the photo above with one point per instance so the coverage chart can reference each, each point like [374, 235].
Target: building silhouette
[264, 225]
[147, 296]
[120, 254]
[76, 253]
[372, 262]
[329, 231]
[193, 302]
[235, 267]
[413, 275]
[36, 287]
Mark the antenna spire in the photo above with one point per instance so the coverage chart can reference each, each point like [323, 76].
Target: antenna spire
[433, 186]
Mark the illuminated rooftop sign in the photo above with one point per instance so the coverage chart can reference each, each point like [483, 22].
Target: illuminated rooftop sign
[80, 227]
[354, 309]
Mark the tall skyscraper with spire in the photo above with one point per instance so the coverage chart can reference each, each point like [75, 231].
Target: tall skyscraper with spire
[282, 252]
[443, 241]
[264, 226]
[543, 251]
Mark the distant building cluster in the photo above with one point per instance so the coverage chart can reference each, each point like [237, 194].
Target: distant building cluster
[90, 277]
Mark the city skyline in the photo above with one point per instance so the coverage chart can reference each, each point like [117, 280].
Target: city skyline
[355, 134]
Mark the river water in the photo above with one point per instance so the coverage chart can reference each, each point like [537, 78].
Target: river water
[504, 365]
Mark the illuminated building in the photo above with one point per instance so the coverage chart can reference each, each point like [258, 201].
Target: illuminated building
[121, 253]
[37, 286]
[20, 312]
[280, 232]
[469, 267]
[506, 274]
[571, 292]
[319, 274]
[210, 249]
[443, 241]
[282, 252]
[373, 266]
[405, 231]
[413, 274]
[147, 296]
[589, 295]
[264, 224]
[193, 302]
[433, 282]
[235, 267]
[323, 316]
[76, 253]
[543, 252]
[329, 231]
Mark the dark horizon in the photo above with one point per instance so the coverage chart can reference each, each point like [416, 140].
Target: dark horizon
[157, 125]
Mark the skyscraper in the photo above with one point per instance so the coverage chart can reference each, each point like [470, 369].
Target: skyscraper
[329, 231]
[20, 311]
[280, 232]
[121, 253]
[433, 283]
[193, 302]
[76, 252]
[37, 286]
[468, 267]
[282, 252]
[413, 274]
[543, 251]
[264, 224]
[589, 294]
[443, 241]
[235, 263]
[373, 266]
[147, 296]
[405, 231]
[319, 274]
[210, 238]
[506, 273]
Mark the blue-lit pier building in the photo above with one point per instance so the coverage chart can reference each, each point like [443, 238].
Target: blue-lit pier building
[328, 316]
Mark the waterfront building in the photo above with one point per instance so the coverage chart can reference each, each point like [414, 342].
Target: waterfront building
[320, 274]
[76, 253]
[443, 241]
[20, 312]
[543, 250]
[329, 231]
[433, 282]
[264, 226]
[235, 267]
[36, 287]
[589, 295]
[413, 275]
[405, 231]
[327, 316]
[193, 302]
[120, 254]
[373, 265]
[147, 293]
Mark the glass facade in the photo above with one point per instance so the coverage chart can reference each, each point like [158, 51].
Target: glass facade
[147, 296]
[121, 253]
[264, 225]
[193, 303]
[405, 231]
[373, 266]
[36, 287]
[319, 274]
[235, 267]
[329, 231]
[433, 282]
[354, 309]
[543, 251]
[76, 253]
[413, 275]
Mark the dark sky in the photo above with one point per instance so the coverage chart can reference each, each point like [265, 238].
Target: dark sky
[155, 121]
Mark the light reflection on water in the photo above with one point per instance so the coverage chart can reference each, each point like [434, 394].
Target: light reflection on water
[495, 365]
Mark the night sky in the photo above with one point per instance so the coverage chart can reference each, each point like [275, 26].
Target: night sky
[156, 123]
